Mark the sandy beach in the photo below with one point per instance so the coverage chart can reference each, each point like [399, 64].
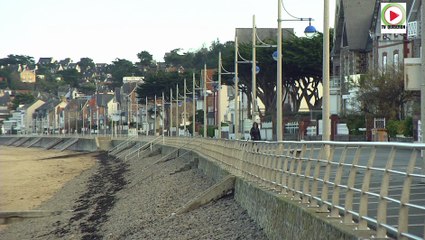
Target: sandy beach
[30, 176]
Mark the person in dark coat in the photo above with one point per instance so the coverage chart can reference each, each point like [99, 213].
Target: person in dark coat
[255, 132]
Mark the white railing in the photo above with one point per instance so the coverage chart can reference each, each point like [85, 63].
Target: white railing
[141, 149]
[122, 145]
[378, 186]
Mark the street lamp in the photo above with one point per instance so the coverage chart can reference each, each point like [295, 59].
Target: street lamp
[326, 76]
[308, 31]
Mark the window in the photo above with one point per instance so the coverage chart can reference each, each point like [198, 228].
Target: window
[396, 60]
[384, 62]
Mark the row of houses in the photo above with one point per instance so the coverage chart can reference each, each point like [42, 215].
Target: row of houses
[120, 111]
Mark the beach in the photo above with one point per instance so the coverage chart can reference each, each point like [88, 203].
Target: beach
[117, 198]
[30, 176]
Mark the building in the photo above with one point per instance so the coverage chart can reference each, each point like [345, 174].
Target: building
[27, 76]
[352, 53]
[28, 123]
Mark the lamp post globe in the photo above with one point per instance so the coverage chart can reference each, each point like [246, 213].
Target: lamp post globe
[310, 31]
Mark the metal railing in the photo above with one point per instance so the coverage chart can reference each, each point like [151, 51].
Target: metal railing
[122, 145]
[379, 186]
[139, 150]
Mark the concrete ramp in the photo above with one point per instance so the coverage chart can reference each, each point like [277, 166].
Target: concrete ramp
[53, 143]
[103, 143]
[68, 143]
[12, 141]
[215, 192]
[21, 141]
[33, 142]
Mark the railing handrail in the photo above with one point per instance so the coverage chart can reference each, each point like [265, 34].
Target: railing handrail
[119, 146]
[143, 146]
[300, 170]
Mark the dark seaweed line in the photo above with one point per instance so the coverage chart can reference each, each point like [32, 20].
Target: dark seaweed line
[98, 200]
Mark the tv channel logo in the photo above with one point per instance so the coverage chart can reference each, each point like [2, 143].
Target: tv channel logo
[393, 18]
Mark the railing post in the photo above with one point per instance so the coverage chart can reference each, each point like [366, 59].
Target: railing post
[300, 162]
[337, 182]
[291, 172]
[316, 174]
[278, 166]
[363, 208]
[348, 217]
[329, 149]
[285, 170]
[381, 232]
[307, 175]
[403, 220]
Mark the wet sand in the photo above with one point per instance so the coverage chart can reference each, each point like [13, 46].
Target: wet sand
[30, 176]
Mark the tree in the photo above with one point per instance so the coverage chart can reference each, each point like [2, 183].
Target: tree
[145, 58]
[175, 58]
[86, 64]
[71, 77]
[17, 59]
[22, 98]
[161, 82]
[302, 71]
[121, 68]
[381, 93]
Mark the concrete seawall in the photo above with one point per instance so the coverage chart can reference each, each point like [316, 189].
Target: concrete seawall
[279, 216]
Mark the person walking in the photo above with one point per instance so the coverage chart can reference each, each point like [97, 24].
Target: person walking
[255, 132]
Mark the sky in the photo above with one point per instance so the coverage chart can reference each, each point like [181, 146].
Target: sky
[105, 30]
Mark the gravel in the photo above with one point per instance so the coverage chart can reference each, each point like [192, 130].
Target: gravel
[136, 199]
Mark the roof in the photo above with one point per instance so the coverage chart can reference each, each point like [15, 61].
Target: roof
[357, 25]
[128, 87]
[48, 106]
[47, 60]
[103, 99]
[76, 104]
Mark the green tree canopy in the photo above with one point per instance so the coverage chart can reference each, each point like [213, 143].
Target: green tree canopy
[302, 71]
[145, 58]
[22, 98]
[71, 77]
[162, 82]
[86, 64]
[17, 59]
[119, 69]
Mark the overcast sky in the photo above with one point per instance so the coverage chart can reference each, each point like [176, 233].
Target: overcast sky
[108, 29]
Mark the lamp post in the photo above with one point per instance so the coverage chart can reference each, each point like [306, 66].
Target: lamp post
[193, 105]
[205, 100]
[219, 96]
[177, 112]
[236, 90]
[146, 117]
[171, 111]
[423, 84]
[184, 108]
[279, 113]
[326, 75]
[309, 32]
[254, 70]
